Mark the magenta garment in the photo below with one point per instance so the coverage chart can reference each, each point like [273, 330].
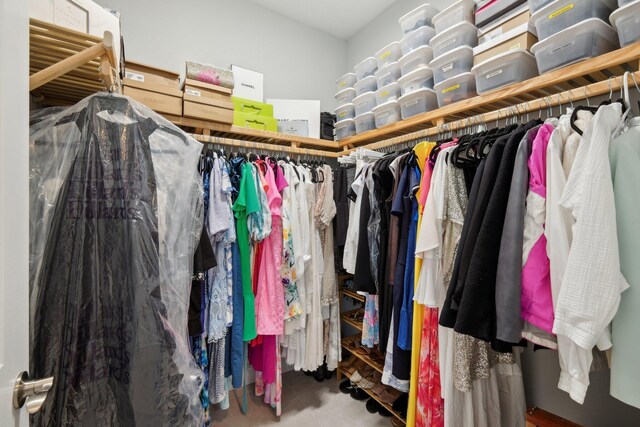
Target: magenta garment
[536, 303]
[262, 358]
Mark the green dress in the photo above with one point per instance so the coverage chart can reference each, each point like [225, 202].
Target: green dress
[624, 156]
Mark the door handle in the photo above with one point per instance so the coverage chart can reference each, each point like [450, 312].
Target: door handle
[30, 392]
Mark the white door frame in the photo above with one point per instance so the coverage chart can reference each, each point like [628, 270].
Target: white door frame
[14, 204]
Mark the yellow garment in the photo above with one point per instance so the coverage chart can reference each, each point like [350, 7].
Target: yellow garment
[422, 151]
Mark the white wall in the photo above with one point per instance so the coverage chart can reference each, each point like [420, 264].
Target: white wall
[298, 62]
[383, 30]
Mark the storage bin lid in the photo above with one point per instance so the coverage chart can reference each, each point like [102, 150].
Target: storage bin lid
[387, 69]
[416, 33]
[428, 8]
[344, 123]
[345, 77]
[391, 46]
[467, 4]
[559, 4]
[453, 80]
[343, 107]
[358, 99]
[513, 55]
[421, 51]
[625, 11]
[391, 87]
[588, 25]
[369, 80]
[420, 93]
[363, 117]
[464, 26]
[452, 55]
[389, 105]
[344, 91]
[369, 60]
[419, 73]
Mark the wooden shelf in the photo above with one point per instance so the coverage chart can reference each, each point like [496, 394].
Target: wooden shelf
[222, 130]
[354, 295]
[66, 66]
[376, 398]
[572, 77]
[347, 317]
[364, 358]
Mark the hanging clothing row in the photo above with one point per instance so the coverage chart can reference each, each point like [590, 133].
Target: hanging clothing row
[270, 290]
[470, 247]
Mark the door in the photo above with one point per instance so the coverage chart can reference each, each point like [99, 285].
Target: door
[14, 204]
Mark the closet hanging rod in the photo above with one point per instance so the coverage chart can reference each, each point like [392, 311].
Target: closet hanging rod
[567, 97]
[258, 146]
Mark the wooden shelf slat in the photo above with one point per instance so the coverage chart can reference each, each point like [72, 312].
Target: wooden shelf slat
[353, 295]
[364, 358]
[551, 83]
[347, 317]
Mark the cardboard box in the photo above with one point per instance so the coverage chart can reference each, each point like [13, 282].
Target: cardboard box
[248, 84]
[255, 121]
[299, 109]
[207, 102]
[160, 98]
[84, 16]
[248, 106]
[143, 73]
[516, 38]
[502, 26]
[293, 127]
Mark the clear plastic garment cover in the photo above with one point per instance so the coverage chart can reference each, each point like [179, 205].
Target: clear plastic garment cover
[116, 212]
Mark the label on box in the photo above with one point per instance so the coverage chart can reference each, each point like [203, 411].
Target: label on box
[412, 103]
[342, 84]
[490, 35]
[559, 48]
[135, 76]
[494, 73]
[342, 115]
[515, 46]
[384, 94]
[447, 67]
[385, 54]
[448, 43]
[451, 88]
[192, 92]
[561, 11]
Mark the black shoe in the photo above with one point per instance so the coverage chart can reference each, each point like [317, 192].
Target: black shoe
[372, 406]
[382, 411]
[401, 404]
[318, 375]
[359, 394]
[346, 387]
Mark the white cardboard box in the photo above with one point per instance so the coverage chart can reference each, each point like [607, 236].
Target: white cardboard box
[248, 84]
[293, 127]
[298, 109]
[84, 16]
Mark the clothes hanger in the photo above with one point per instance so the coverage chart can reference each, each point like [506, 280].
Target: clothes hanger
[574, 115]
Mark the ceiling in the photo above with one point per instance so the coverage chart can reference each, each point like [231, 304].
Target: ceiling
[340, 18]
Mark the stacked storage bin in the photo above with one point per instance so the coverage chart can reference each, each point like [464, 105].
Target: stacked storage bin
[387, 110]
[625, 21]
[416, 84]
[345, 112]
[570, 31]
[503, 55]
[456, 35]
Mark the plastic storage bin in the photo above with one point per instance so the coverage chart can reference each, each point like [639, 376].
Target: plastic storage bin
[536, 5]
[388, 54]
[417, 38]
[368, 84]
[364, 103]
[418, 17]
[344, 112]
[562, 14]
[345, 129]
[495, 9]
[422, 78]
[416, 59]
[365, 122]
[345, 96]
[389, 74]
[366, 68]
[458, 12]
[388, 93]
[348, 80]
[462, 34]
[514, 66]
[456, 89]
[387, 113]
[624, 2]
[626, 22]
[452, 63]
[417, 102]
[584, 40]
